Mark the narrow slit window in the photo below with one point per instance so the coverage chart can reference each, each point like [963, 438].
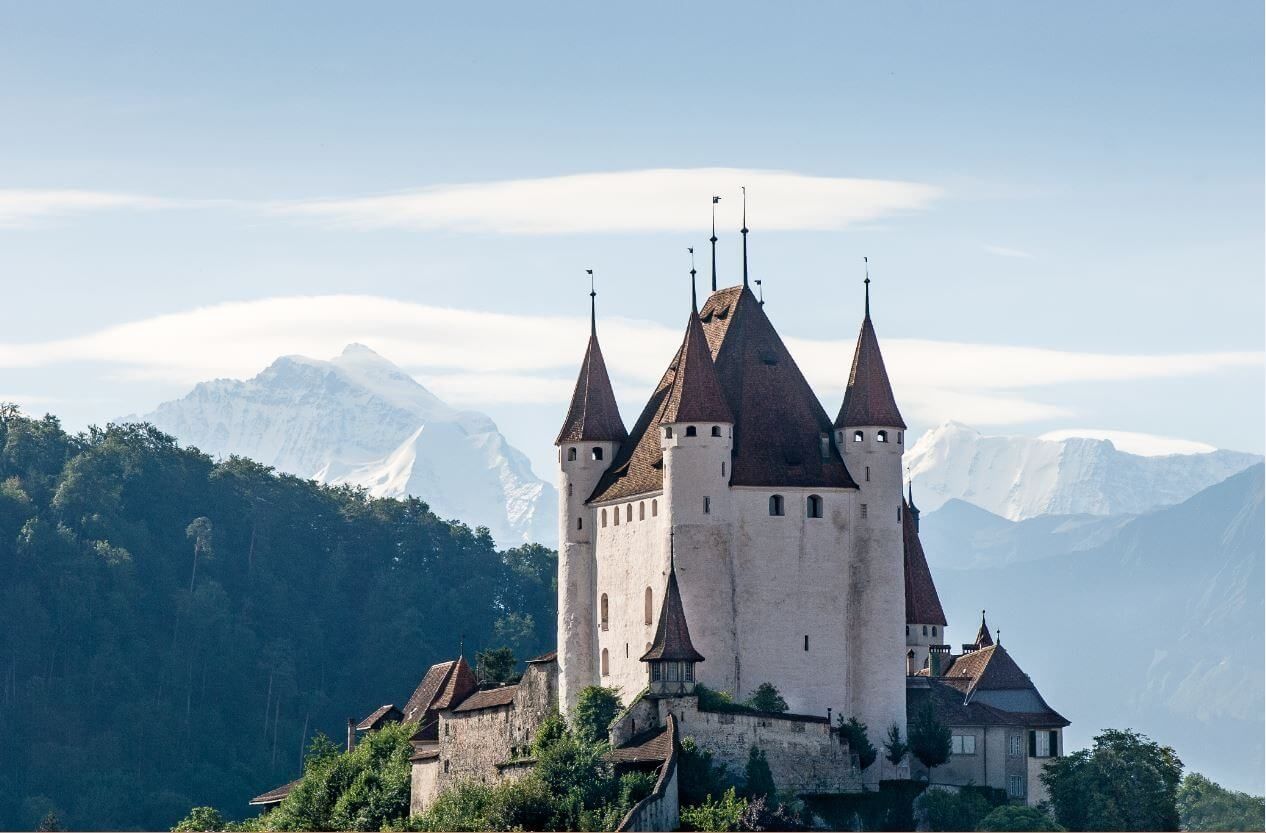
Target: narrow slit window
[648, 605]
[806, 641]
[707, 505]
[603, 610]
[654, 508]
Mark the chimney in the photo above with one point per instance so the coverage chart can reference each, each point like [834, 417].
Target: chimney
[351, 733]
[938, 657]
[968, 647]
[910, 669]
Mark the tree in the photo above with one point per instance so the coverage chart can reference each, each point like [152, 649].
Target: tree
[496, 665]
[853, 732]
[766, 698]
[929, 738]
[1126, 781]
[759, 780]
[1017, 817]
[50, 822]
[698, 778]
[895, 748]
[200, 820]
[940, 809]
[595, 708]
[717, 814]
[1204, 805]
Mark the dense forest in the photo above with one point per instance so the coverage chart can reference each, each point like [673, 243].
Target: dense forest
[175, 630]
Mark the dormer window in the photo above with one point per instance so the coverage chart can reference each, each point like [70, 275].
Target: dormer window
[858, 436]
[690, 431]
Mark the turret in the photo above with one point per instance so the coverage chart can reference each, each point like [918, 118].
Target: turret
[871, 436]
[588, 441]
[672, 656]
[925, 618]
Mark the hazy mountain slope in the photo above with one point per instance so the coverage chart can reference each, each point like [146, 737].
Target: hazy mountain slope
[1158, 628]
[360, 419]
[1021, 477]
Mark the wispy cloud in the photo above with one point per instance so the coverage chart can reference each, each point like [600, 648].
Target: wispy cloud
[1134, 442]
[482, 358]
[24, 207]
[1003, 251]
[663, 199]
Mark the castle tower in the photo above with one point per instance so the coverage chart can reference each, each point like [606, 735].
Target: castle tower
[587, 443]
[672, 656]
[696, 437]
[925, 618]
[871, 436]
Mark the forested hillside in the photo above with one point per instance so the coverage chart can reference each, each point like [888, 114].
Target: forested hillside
[173, 630]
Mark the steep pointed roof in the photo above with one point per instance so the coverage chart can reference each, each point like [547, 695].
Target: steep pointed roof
[923, 605]
[779, 424]
[593, 414]
[868, 399]
[460, 683]
[695, 395]
[983, 639]
[428, 690]
[672, 637]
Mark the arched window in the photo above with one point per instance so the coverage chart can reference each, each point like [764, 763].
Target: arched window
[668, 432]
[597, 453]
[615, 515]
[925, 630]
[898, 438]
[648, 606]
[690, 431]
[813, 506]
[882, 437]
[857, 436]
[571, 489]
[602, 611]
[934, 630]
[907, 630]
[723, 469]
[604, 518]
[641, 510]
[628, 512]
[606, 663]
[716, 430]
[571, 453]
[654, 508]
[775, 505]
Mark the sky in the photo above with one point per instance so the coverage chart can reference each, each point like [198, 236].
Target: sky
[1062, 204]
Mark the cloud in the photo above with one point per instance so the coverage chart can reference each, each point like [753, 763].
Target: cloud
[664, 199]
[24, 207]
[1003, 251]
[477, 358]
[1133, 442]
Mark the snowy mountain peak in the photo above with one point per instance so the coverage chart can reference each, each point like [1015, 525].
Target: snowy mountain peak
[358, 418]
[1022, 477]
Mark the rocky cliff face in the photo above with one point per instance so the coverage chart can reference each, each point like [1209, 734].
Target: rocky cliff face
[359, 419]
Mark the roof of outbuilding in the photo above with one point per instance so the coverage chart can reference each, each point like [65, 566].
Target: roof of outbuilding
[651, 746]
[378, 716]
[549, 656]
[593, 414]
[868, 399]
[672, 636]
[460, 683]
[275, 795]
[428, 689]
[488, 698]
[923, 605]
[779, 424]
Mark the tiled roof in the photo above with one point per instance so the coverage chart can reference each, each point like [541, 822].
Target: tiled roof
[778, 421]
[425, 753]
[951, 709]
[672, 637]
[275, 795]
[983, 639]
[695, 395]
[990, 668]
[459, 683]
[551, 656]
[868, 399]
[428, 689]
[651, 746]
[923, 605]
[488, 698]
[593, 414]
[377, 717]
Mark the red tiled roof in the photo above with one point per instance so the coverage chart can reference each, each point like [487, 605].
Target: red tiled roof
[652, 746]
[460, 683]
[923, 605]
[868, 399]
[593, 414]
[989, 668]
[672, 636]
[379, 716]
[428, 689]
[488, 698]
[275, 795]
[778, 421]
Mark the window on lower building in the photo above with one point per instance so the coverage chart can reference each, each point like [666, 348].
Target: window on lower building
[963, 745]
[689, 675]
[673, 671]
[641, 510]
[656, 672]
[1015, 786]
[571, 454]
[1015, 747]
[858, 436]
[1043, 743]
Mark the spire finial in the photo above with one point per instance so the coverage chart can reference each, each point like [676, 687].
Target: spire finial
[998, 639]
[461, 646]
[744, 230]
[866, 261]
[593, 305]
[761, 291]
[694, 301]
[713, 240]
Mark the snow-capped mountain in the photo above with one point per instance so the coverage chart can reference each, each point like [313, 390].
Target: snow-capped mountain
[1023, 477]
[360, 419]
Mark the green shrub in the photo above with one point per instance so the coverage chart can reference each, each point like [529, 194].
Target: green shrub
[853, 731]
[200, 819]
[595, 708]
[1017, 817]
[949, 810]
[766, 698]
[697, 776]
[759, 780]
[712, 814]
[1125, 782]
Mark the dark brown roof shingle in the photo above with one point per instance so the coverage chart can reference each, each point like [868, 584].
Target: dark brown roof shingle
[672, 636]
[488, 698]
[428, 689]
[593, 414]
[460, 683]
[379, 716]
[923, 605]
[695, 395]
[868, 399]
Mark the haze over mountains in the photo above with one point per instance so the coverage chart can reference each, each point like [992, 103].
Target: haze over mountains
[360, 419]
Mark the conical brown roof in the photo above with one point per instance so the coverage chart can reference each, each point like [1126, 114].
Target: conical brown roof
[983, 639]
[672, 637]
[923, 605]
[868, 399]
[695, 395]
[593, 415]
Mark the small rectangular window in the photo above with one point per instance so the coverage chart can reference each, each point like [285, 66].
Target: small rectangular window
[806, 641]
[863, 510]
[1014, 750]
[963, 744]
[1043, 745]
[707, 505]
[868, 474]
[1015, 786]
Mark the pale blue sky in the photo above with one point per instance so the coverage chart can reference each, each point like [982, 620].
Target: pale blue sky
[1095, 173]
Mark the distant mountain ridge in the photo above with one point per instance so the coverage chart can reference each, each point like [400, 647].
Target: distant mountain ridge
[360, 419]
[1023, 477]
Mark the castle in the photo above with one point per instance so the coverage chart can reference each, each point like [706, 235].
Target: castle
[739, 536]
